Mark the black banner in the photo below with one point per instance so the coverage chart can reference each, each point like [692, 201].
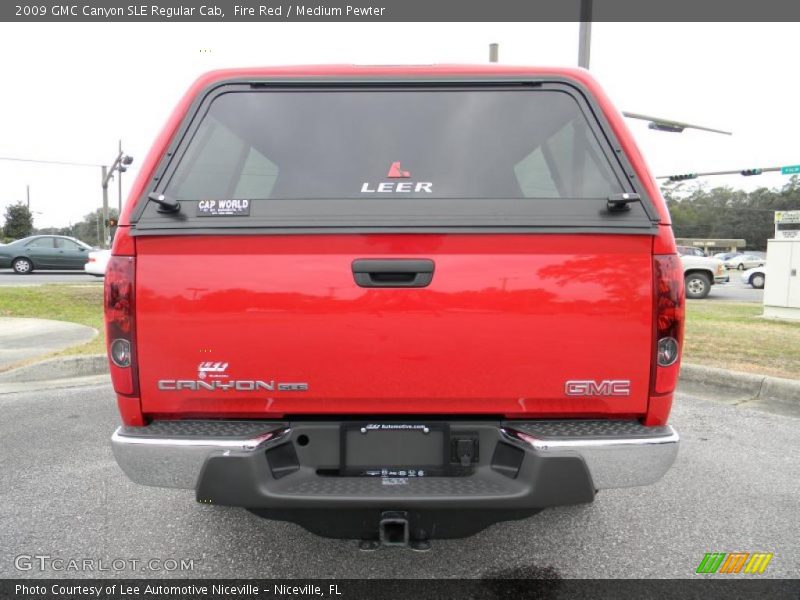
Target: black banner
[399, 10]
[388, 589]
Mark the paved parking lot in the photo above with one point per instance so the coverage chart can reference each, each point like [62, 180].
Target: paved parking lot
[734, 488]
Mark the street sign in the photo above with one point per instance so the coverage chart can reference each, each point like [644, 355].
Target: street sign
[790, 170]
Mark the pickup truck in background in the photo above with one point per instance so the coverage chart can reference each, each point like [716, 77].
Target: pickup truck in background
[700, 273]
[395, 303]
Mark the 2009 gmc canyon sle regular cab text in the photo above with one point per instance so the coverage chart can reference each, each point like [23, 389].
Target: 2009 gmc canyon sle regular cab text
[395, 303]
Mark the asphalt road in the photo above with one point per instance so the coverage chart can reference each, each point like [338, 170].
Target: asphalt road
[734, 487]
[8, 277]
[735, 291]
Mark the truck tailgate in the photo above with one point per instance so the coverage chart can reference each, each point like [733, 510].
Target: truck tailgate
[505, 323]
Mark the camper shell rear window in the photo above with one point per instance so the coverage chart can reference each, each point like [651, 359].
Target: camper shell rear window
[305, 158]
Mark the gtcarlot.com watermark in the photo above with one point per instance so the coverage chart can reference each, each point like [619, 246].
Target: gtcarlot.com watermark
[59, 564]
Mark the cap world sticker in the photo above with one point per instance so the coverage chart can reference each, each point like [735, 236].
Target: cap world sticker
[396, 171]
[223, 208]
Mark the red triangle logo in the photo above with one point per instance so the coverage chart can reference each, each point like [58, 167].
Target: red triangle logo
[395, 172]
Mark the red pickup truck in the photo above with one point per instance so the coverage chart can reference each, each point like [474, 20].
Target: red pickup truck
[395, 303]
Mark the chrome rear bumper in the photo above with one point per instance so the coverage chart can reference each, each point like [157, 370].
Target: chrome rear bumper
[173, 453]
[630, 456]
[617, 454]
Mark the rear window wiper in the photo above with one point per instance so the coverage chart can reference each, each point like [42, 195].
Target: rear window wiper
[618, 202]
[165, 204]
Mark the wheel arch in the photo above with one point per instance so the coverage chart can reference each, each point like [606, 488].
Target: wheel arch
[28, 258]
[708, 273]
[32, 268]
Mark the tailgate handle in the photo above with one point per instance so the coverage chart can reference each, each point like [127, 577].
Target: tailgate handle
[393, 272]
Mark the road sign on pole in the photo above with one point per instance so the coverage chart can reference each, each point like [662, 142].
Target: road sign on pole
[790, 170]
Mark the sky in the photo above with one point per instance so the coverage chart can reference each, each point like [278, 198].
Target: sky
[71, 91]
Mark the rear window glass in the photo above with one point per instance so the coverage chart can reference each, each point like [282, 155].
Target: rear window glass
[400, 143]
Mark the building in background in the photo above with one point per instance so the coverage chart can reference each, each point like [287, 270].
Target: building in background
[712, 246]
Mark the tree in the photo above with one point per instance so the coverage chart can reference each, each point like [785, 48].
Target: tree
[726, 213]
[18, 221]
[90, 228]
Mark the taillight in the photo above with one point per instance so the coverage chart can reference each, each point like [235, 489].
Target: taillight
[119, 296]
[669, 300]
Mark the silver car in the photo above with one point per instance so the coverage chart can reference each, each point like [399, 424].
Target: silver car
[745, 261]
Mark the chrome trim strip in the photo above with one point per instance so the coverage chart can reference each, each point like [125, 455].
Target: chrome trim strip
[576, 442]
[232, 444]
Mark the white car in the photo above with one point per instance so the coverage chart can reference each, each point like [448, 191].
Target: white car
[755, 277]
[98, 261]
[745, 261]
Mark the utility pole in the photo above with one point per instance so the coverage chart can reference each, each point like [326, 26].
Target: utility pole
[106, 176]
[585, 34]
[119, 185]
[494, 53]
[120, 165]
[28, 195]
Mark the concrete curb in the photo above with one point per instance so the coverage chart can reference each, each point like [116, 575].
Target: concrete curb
[770, 394]
[54, 384]
[61, 367]
[23, 340]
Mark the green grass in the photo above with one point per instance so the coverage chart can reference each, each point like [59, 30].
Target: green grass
[733, 335]
[729, 335]
[76, 303]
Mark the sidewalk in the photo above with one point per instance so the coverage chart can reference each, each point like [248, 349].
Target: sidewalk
[26, 339]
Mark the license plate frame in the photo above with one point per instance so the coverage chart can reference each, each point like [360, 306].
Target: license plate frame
[429, 458]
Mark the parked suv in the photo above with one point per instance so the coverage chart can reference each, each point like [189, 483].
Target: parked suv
[395, 303]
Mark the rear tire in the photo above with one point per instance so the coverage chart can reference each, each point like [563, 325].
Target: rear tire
[740, 267]
[698, 285]
[757, 281]
[22, 266]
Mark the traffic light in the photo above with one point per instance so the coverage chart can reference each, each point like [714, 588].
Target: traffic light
[668, 127]
[683, 177]
[750, 172]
